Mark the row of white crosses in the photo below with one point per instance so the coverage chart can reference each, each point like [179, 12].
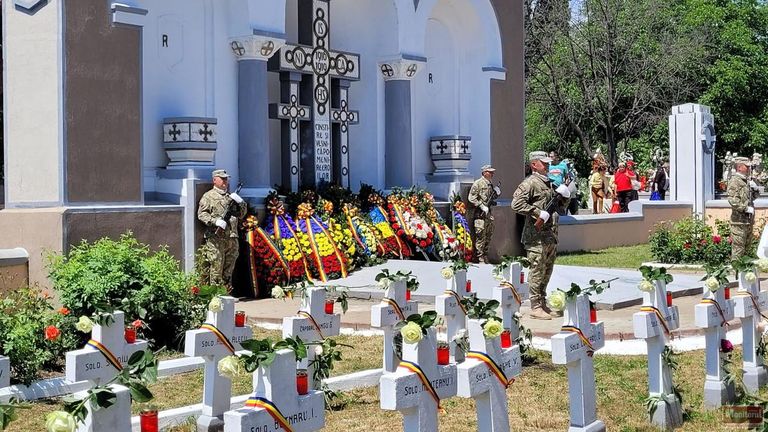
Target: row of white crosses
[712, 314]
[448, 305]
[654, 323]
[510, 293]
[385, 316]
[750, 306]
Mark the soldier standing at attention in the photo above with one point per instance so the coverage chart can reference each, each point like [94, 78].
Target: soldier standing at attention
[483, 195]
[220, 250]
[742, 193]
[537, 199]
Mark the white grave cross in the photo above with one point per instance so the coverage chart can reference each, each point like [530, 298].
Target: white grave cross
[570, 348]
[449, 305]
[711, 314]
[750, 305]
[206, 343]
[655, 330]
[477, 378]
[404, 391]
[312, 324]
[93, 364]
[385, 315]
[276, 385]
[510, 294]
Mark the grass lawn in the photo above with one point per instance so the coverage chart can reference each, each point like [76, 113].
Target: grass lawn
[538, 400]
[629, 257]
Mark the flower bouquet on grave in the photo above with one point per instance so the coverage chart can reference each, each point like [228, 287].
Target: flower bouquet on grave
[266, 265]
[461, 227]
[345, 241]
[363, 232]
[282, 230]
[318, 244]
[408, 225]
[386, 236]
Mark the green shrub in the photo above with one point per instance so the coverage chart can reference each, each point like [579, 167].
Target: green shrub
[124, 275]
[691, 241]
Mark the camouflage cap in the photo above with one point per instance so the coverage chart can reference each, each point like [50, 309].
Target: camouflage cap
[487, 168]
[539, 155]
[220, 173]
[742, 160]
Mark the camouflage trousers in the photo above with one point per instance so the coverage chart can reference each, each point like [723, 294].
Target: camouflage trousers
[483, 235]
[741, 239]
[542, 258]
[218, 256]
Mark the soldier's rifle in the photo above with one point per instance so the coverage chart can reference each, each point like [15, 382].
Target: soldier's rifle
[231, 209]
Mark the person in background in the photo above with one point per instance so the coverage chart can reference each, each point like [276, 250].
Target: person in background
[661, 181]
[634, 181]
[597, 183]
[742, 193]
[558, 169]
[623, 184]
[483, 195]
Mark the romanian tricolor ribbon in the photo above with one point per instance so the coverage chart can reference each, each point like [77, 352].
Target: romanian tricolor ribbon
[274, 250]
[397, 238]
[458, 299]
[353, 230]
[315, 250]
[401, 219]
[754, 301]
[298, 244]
[339, 256]
[492, 366]
[659, 316]
[309, 316]
[259, 402]
[584, 340]
[515, 294]
[111, 358]
[413, 367]
[223, 338]
[393, 304]
[719, 309]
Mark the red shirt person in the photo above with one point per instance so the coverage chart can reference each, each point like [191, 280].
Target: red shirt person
[623, 179]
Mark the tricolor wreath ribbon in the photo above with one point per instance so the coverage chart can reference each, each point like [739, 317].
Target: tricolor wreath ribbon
[315, 250]
[393, 304]
[271, 408]
[659, 316]
[309, 316]
[754, 301]
[584, 339]
[221, 336]
[397, 238]
[298, 244]
[492, 366]
[336, 251]
[458, 299]
[719, 310]
[413, 367]
[111, 358]
[515, 294]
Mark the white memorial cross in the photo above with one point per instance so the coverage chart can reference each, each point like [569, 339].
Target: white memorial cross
[448, 305]
[574, 347]
[98, 363]
[485, 376]
[654, 323]
[216, 339]
[712, 314]
[750, 305]
[385, 315]
[312, 324]
[5, 371]
[510, 294]
[276, 402]
[405, 390]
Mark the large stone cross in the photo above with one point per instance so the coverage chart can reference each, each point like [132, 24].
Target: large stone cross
[510, 293]
[481, 380]
[207, 343]
[449, 306]
[99, 362]
[312, 324]
[711, 314]
[404, 391]
[570, 347]
[313, 58]
[275, 385]
[654, 323]
[750, 304]
[385, 315]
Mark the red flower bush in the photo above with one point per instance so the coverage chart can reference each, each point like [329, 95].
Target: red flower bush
[52, 333]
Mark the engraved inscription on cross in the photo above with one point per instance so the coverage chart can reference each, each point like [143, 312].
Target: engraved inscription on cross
[570, 348]
[207, 343]
[404, 391]
[94, 363]
[477, 380]
[276, 385]
[314, 157]
[653, 323]
[448, 305]
[312, 324]
[750, 304]
[385, 315]
[711, 314]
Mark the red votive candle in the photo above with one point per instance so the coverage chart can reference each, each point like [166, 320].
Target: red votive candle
[130, 334]
[469, 285]
[592, 315]
[329, 307]
[727, 293]
[522, 277]
[506, 339]
[443, 355]
[407, 295]
[240, 319]
[669, 299]
[302, 385]
[149, 421]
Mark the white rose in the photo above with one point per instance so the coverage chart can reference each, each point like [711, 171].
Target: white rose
[278, 292]
[762, 264]
[411, 333]
[446, 272]
[712, 284]
[492, 329]
[230, 367]
[84, 324]
[385, 282]
[215, 305]
[318, 350]
[557, 300]
[60, 421]
[646, 286]
[750, 277]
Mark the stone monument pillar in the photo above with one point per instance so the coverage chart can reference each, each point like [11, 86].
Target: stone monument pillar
[692, 155]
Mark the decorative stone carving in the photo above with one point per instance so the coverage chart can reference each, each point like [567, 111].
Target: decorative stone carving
[190, 141]
[255, 47]
[400, 69]
[451, 154]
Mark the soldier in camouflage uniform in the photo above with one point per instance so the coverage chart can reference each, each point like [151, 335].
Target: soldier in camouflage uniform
[220, 250]
[483, 195]
[742, 193]
[536, 198]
